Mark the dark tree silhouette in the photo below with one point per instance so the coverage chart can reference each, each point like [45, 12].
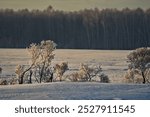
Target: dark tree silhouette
[85, 29]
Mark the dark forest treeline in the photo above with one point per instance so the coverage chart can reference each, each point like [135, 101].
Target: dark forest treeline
[87, 29]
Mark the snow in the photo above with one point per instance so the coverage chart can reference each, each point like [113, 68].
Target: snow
[75, 91]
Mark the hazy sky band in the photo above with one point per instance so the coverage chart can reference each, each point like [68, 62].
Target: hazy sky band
[72, 5]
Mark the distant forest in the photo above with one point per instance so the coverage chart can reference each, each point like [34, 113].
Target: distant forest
[84, 29]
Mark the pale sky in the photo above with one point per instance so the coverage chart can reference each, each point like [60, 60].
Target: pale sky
[72, 5]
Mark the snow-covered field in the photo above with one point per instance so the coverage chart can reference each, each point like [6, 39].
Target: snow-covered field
[113, 64]
[73, 90]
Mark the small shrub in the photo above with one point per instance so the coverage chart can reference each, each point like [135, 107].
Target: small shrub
[13, 81]
[60, 69]
[74, 77]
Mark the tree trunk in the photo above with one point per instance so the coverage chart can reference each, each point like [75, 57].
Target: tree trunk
[51, 78]
[22, 75]
[30, 77]
[41, 72]
[41, 75]
[144, 80]
[21, 78]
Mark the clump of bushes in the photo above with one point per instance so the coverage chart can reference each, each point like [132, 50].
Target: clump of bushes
[86, 73]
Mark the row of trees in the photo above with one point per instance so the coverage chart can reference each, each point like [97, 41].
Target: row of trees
[88, 28]
[42, 55]
[41, 70]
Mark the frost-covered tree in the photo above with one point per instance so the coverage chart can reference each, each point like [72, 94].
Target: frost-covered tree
[45, 54]
[41, 56]
[60, 69]
[34, 53]
[139, 63]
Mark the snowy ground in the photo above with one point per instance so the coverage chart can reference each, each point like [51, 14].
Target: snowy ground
[113, 64]
[75, 91]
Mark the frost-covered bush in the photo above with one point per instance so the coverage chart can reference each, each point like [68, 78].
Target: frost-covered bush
[60, 69]
[86, 73]
[129, 75]
[83, 74]
[13, 81]
[41, 56]
[135, 76]
[139, 65]
[74, 77]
